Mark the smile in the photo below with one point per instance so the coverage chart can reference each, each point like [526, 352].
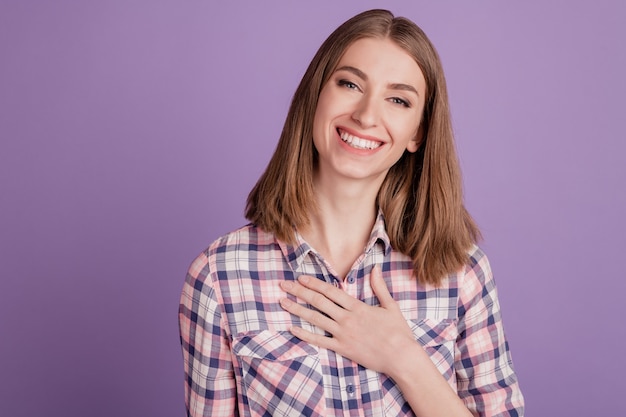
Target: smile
[357, 142]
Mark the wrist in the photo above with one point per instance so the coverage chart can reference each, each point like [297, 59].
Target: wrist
[408, 363]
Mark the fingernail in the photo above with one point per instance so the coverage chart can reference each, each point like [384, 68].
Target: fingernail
[286, 285]
[285, 302]
[303, 279]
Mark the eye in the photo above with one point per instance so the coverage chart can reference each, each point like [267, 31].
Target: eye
[402, 102]
[348, 84]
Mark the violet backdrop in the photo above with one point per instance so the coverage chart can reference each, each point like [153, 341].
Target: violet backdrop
[132, 131]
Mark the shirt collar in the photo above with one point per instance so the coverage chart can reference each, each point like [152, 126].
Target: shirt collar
[296, 255]
[379, 233]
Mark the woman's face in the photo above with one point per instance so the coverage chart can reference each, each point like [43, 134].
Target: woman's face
[369, 111]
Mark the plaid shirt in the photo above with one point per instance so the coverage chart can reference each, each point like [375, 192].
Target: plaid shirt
[240, 359]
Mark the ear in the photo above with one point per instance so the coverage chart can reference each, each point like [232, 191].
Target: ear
[415, 143]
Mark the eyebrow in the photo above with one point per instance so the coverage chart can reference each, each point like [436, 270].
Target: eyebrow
[363, 76]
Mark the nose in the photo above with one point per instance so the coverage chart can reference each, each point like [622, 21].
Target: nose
[366, 112]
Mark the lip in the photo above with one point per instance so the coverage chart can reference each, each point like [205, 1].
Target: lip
[355, 151]
[360, 135]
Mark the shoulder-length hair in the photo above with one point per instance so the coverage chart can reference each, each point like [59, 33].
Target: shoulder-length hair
[421, 196]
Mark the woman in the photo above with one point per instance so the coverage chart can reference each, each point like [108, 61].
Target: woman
[357, 289]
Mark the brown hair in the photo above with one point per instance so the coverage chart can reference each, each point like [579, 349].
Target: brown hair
[421, 197]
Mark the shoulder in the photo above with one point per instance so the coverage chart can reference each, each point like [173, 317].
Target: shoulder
[477, 284]
[476, 268]
[234, 250]
[226, 252]
[477, 264]
[246, 238]
[232, 241]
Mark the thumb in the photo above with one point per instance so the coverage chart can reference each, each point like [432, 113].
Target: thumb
[380, 288]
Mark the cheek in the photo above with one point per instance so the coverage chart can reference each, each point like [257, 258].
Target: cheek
[319, 129]
[406, 131]
[324, 102]
[318, 126]
[406, 127]
[322, 115]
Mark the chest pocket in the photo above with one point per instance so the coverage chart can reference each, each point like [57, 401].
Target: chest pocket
[279, 374]
[438, 337]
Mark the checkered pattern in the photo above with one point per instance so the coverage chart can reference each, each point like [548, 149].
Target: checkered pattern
[240, 358]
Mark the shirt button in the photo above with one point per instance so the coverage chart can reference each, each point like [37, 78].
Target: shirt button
[350, 389]
[351, 280]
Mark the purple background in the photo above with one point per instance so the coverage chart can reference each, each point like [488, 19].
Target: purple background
[132, 131]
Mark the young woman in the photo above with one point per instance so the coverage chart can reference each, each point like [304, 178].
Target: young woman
[357, 289]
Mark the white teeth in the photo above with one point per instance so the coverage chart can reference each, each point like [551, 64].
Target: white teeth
[357, 142]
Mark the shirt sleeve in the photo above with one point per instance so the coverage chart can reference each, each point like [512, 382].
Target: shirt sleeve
[486, 380]
[209, 378]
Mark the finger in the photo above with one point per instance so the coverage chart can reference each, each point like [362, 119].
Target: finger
[336, 295]
[322, 341]
[380, 288]
[314, 298]
[316, 318]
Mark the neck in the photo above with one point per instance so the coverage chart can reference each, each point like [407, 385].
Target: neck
[341, 226]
